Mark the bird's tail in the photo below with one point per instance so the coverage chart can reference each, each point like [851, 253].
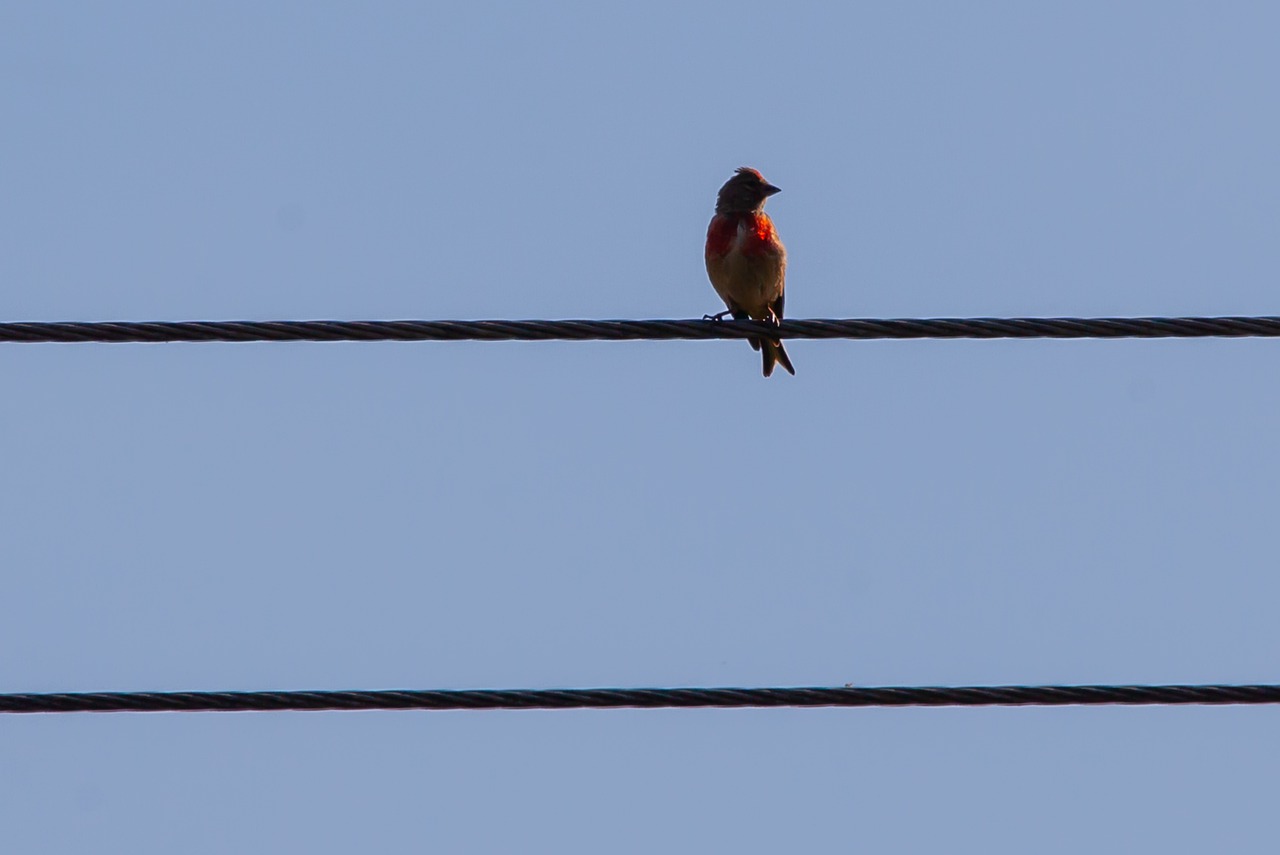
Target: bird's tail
[773, 353]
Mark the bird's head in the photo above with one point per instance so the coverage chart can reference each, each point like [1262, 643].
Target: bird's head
[745, 191]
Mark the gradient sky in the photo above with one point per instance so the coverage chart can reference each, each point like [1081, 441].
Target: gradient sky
[441, 515]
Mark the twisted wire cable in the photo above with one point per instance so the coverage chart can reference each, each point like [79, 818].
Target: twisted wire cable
[654, 330]
[523, 699]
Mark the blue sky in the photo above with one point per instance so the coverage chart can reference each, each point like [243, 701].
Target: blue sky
[440, 515]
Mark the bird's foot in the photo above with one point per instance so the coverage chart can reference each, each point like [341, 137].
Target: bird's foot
[719, 317]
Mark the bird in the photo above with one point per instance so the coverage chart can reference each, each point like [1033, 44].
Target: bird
[746, 263]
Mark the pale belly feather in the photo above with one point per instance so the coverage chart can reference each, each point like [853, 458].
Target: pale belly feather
[752, 282]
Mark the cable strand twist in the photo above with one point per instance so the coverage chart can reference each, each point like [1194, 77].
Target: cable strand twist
[685, 698]
[645, 330]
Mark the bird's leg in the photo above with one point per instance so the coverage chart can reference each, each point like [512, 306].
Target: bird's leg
[719, 317]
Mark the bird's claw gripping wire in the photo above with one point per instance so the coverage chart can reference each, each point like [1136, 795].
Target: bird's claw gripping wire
[773, 319]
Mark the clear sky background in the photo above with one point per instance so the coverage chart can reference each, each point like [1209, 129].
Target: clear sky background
[441, 515]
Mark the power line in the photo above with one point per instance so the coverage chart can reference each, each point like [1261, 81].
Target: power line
[583, 330]
[519, 699]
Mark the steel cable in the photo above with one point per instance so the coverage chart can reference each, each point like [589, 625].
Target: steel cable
[585, 330]
[517, 699]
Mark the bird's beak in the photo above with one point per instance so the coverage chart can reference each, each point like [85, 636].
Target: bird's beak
[769, 190]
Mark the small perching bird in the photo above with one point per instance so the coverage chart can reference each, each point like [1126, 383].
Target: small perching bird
[746, 262]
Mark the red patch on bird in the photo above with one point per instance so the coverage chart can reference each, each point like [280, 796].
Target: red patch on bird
[761, 237]
[721, 234]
